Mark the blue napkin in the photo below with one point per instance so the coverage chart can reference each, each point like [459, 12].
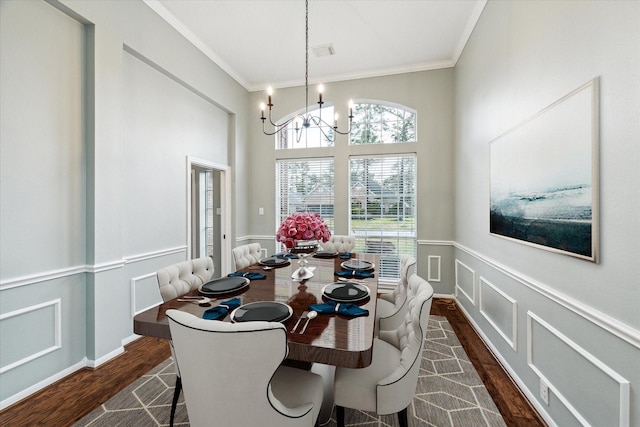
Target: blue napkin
[221, 310]
[359, 274]
[345, 309]
[345, 255]
[253, 275]
[286, 255]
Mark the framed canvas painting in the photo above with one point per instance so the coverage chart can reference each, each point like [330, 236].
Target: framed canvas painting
[544, 177]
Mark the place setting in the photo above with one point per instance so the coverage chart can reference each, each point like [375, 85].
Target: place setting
[224, 285]
[356, 268]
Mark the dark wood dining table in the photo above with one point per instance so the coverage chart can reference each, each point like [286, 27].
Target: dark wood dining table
[330, 339]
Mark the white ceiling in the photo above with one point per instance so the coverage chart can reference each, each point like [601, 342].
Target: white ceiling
[261, 43]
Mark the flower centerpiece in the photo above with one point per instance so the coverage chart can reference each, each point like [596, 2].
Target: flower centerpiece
[302, 226]
[300, 233]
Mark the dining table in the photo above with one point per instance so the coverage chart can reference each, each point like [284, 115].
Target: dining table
[331, 339]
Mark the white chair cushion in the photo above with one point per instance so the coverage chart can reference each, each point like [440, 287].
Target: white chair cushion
[356, 388]
[286, 390]
[178, 279]
[339, 243]
[245, 255]
[384, 308]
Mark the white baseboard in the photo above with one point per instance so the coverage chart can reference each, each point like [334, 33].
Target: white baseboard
[42, 384]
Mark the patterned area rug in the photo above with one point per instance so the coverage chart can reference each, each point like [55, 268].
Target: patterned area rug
[449, 393]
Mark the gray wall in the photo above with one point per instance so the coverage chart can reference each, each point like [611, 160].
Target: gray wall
[102, 102]
[430, 93]
[578, 321]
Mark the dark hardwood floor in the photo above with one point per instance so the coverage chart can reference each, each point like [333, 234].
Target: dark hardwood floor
[71, 398]
[513, 406]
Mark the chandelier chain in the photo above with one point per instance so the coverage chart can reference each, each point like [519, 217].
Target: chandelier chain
[306, 59]
[306, 120]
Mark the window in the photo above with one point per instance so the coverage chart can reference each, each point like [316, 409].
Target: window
[381, 192]
[383, 208]
[304, 185]
[376, 123]
[307, 137]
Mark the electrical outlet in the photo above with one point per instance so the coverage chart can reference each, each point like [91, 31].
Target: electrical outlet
[544, 391]
[260, 211]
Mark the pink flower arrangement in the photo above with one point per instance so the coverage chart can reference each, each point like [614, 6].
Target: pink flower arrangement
[302, 226]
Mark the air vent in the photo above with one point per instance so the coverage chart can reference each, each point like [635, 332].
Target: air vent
[323, 50]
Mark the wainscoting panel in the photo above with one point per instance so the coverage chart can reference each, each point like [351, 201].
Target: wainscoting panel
[606, 405]
[434, 267]
[41, 333]
[588, 359]
[500, 310]
[144, 293]
[465, 281]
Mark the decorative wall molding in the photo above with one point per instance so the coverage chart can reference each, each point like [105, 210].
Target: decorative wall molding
[255, 237]
[41, 277]
[132, 292]
[472, 298]
[436, 243]
[155, 254]
[434, 263]
[505, 365]
[623, 384]
[82, 269]
[105, 266]
[617, 328]
[513, 339]
[57, 331]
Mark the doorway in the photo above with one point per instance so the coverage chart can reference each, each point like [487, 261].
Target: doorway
[207, 216]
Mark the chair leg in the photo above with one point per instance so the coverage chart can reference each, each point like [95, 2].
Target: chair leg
[402, 418]
[176, 396]
[340, 415]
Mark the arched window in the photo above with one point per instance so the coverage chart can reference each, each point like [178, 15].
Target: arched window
[376, 122]
[311, 137]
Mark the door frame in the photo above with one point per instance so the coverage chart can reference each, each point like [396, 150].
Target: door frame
[225, 208]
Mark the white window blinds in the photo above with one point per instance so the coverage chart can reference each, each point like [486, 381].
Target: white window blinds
[305, 185]
[383, 208]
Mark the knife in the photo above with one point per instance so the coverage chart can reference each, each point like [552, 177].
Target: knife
[304, 316]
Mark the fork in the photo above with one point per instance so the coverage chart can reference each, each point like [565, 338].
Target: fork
[304, 316]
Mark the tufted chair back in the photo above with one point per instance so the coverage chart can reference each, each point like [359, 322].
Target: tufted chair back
[340, 243]
[388, 385]
[393, 305]
[178, 279]
[245, 255]
[405, 332]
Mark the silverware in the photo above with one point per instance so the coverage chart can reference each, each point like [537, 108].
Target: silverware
[311, 315]
[201, 301]
[304, 316]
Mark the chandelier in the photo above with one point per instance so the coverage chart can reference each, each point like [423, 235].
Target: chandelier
[307, 119]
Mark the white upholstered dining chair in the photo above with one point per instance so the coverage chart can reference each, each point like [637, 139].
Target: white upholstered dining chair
[339, 243]
[245, 255]
[392, 306]
[388, 385]
[232, 374]
[176, 280]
